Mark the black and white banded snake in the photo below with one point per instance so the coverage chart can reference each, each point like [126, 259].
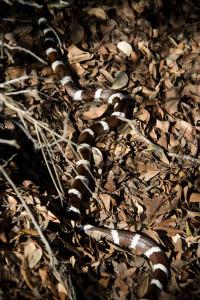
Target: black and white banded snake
[137, 242]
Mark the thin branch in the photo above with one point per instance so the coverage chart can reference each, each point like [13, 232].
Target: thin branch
[159, 148]
[24, 50]
[2, 85]
[28, 90]
[184, 157]
[12, 143]
[60, 192]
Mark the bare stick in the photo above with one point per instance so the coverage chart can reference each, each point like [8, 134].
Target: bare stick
[12, 143]
[2, 85]
[24, 50]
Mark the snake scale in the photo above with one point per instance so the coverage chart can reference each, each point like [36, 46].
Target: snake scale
[136, 242]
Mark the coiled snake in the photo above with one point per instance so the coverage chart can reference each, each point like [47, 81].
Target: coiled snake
[136, 242]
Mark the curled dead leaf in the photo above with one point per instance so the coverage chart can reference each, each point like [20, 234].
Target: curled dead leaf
[106, 200]
[143, 115]
[110, 183]
[120, 81]
[171, 58]
[97, 12]
[125, 47]
[81, 57]
[12, 205]
[62, 291]
[76, 55]
[97, 156]
[192, 91]
[33, 254]
[107, 75]
[25, 271]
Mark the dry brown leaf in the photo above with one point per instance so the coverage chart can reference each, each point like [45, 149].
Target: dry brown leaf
[153, 69]
[94, 112]
[120, 81]
[110, 183]
[104, 282]
[143, 46]
[33, 254]
[134, 57]
[171, 105]
[97, 156]
[97, 12]
[30, 232]
[108, 27]
[3, 237]
[191, 61]
[12, 205]
[151, 94]
[198, 250]
[68, 150]
[149, 175]
[14, 72]
[168, 84]
[196, 116]
[47, 214]
[128, 272]
[106, 200]
[178, 245]
[125, 47]
[111, 48]
[25, 271]
[163, 157]
[120, 35]
[187, 130]
[192, 91]
[195, 197]
[143, 287]
[107, 75]
[81, 57]
[193, 214]
[143, 115]
[121, 287]
[171, 59]
[154, 208]
[126, 12]
[79, 70]
[170, 230]
[76, 55]
[163, 125]
[62, 291]
[141, 69]
[102, 50]
[136, 203]
[173, 144]
[44, 276]
[120, 150]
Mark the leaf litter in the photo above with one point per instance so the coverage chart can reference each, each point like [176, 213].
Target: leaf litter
[145, 177]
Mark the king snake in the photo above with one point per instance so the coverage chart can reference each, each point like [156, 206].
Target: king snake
[136, 242]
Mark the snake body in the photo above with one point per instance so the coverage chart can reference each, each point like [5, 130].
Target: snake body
[136, 242]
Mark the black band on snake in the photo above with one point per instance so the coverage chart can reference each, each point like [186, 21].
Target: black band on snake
[138, 243]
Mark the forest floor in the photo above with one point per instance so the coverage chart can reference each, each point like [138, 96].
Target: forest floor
[147, 175]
